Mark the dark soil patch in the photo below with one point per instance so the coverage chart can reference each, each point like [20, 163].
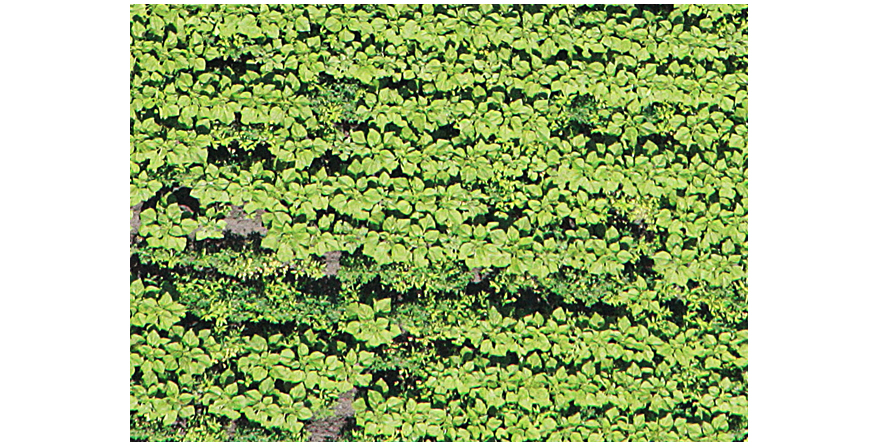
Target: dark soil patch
[329, 429]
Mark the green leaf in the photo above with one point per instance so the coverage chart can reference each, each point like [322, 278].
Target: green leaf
[346, 36]
[170, 417]
[662, 259]
[623, 256]
[597, 321]
[166, 301]
[364, 74]
[280, 372]
[302, 24]
[683, 135]
[248, 27]
[258, 343]
[382, 306]
[332, 24]
[374, 138]
[364, 312]
[400, 254]
[296, 376]
[191, 339]
[304, 413]
[720, 422]
[187, 411]
[712, 363]
[404, 207]
[358, 137]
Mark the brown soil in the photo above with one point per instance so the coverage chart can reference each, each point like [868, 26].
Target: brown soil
[329, 429]
[333, 263]
[238, 223]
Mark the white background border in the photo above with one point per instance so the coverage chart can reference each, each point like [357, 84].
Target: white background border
[64, 173]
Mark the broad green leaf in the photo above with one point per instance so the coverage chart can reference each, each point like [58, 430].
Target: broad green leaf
[404, 207]
[332, 24]
[365, 312]
[400, 254]
[302, 24]
[374, 138]
[382, 306]
[190, 339]
[258, 343]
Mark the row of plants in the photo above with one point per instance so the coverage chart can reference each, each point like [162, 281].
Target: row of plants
[425, 371]
[532, 205]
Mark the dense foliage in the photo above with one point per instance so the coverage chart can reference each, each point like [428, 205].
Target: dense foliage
[394, 222]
